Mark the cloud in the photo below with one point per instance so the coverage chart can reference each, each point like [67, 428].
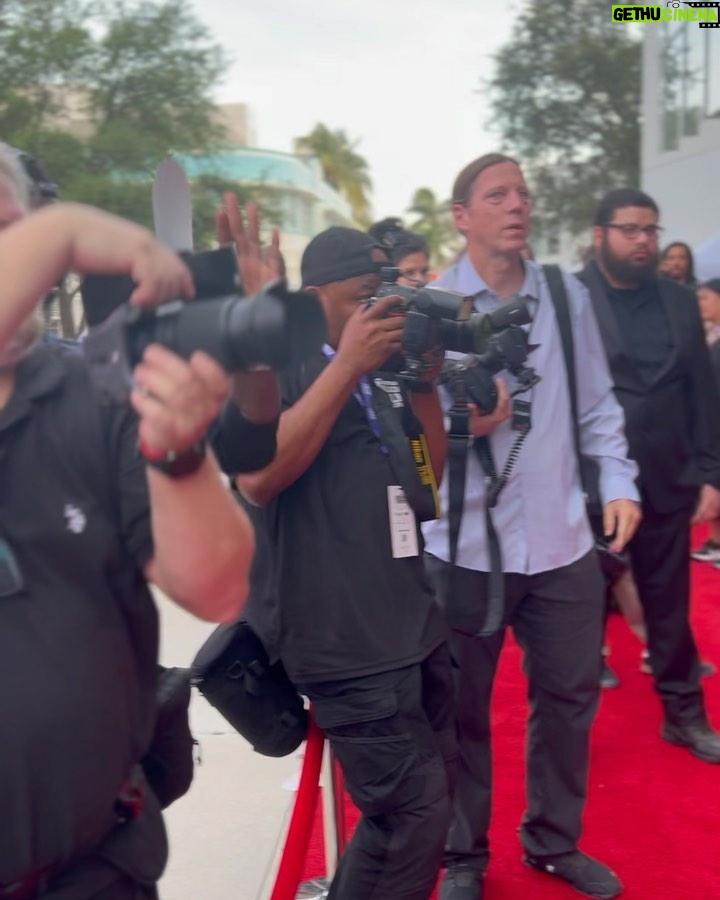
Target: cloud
[403, 78]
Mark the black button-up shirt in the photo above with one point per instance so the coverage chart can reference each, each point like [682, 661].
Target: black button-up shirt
[78, 640]
[644, 326]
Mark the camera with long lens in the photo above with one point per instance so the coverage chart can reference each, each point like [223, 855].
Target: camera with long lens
[470, 379]
[274, 328]
[436, 316]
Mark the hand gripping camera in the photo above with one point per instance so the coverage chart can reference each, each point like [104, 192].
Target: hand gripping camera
[436, 316]
[470, 379]
[274, 328]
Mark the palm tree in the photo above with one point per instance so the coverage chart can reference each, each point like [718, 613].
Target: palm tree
[343, 167]
[434, 222]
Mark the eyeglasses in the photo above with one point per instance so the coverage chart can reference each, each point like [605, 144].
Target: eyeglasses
[633, 232]
[11, 580]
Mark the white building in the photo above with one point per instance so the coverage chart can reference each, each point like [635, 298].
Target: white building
[681, 128]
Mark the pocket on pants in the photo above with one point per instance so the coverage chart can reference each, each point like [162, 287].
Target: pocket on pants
[376, 748]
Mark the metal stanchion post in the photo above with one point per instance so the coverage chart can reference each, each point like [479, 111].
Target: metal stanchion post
[317, 889]
[335, 823]
[333, 810]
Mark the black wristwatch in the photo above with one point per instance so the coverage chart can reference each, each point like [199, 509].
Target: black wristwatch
[177, 465]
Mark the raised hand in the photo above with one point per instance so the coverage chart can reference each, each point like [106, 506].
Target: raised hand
[257, 264]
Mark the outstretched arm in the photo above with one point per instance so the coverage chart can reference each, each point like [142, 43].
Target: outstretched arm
[40, 248]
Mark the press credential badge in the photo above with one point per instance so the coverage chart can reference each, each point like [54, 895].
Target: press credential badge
[403, 527]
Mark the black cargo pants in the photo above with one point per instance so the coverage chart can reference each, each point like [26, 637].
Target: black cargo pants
[394, 737]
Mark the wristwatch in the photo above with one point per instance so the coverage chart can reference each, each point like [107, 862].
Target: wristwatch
[174, 464]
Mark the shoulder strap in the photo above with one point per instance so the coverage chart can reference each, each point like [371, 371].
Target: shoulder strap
[401, 434]
[458, 443]
[558, 294]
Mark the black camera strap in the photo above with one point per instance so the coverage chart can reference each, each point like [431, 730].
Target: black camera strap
[402, 436]
[558, 295]
[459, 437]
[587, 470]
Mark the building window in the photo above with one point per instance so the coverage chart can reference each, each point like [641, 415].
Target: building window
[684, 66]
[712, 68]
[694, 80]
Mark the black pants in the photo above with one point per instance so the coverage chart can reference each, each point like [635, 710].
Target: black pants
[660, 554]
[394, 736]
[557, 618]
[126, 865]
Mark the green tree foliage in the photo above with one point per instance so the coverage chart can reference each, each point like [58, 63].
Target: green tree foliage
[566, 99]
[100, 92]
[343, 167]
[156, 68]
[432, 219]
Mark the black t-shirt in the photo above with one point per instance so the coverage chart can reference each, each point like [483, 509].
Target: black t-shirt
[644, 326]
[326, 593]
[78, 645]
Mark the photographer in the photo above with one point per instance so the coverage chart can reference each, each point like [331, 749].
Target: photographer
[545, 583]
[406, 249]
[338, 589]
[87, 523]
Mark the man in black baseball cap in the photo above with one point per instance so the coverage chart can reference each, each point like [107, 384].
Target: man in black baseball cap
[342, 266]
[338, 589]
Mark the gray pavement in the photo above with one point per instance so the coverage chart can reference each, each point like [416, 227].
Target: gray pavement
[226, 834]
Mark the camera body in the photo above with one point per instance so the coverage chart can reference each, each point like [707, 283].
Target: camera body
[470, 379]
[437, 316]
[274, 328]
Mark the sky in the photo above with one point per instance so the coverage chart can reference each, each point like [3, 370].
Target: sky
[402, 77]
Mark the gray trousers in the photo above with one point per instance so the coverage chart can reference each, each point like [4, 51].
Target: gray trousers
[557, 618]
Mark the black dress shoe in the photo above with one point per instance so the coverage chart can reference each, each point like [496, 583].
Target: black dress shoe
[608, 678]
[462, 883]
[698, 737]
[580, 871]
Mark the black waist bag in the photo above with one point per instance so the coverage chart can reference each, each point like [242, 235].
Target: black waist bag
[233, 672]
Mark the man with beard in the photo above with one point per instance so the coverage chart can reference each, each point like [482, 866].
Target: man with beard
[553, 595]
[663, 378]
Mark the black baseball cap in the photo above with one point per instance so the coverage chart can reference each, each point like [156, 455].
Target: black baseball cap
[339, 253]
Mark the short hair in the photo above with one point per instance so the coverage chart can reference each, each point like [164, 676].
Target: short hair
[464, 183]
[396, 240]
[13, 173]
[712, 284]
[691, 258]
[619, 198]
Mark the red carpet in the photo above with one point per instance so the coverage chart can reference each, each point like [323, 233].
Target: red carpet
[653, 812]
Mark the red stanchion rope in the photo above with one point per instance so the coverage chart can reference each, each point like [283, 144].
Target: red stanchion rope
[300, 829]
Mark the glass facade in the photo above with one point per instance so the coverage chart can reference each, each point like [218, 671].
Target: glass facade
[690, 79]
[712, 105]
